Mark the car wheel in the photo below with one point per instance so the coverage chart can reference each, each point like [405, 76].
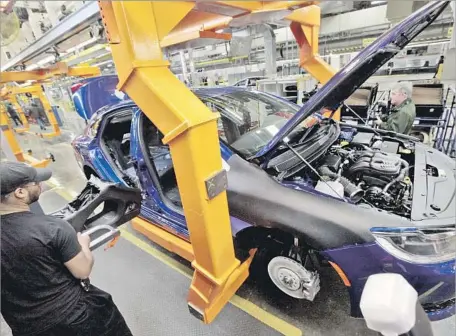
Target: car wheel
[277, 274]
[292, 278]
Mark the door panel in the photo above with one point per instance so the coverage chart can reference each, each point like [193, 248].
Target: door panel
[156, 208]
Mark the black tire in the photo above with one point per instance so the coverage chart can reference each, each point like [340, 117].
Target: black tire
[259, 267]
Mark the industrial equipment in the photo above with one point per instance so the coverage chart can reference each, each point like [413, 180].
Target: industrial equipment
[8, 133]
[36, 90]
[137, 32]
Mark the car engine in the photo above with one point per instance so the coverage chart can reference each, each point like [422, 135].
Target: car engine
[363, 168]
[370, 176]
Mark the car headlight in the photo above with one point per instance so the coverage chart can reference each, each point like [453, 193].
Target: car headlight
[418, 246]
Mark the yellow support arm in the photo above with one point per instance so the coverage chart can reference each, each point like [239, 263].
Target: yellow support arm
[137, 31]
[305, 26]
[134, 30]
[58, 69]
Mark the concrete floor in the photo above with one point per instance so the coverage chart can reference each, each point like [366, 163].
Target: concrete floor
[327, 315]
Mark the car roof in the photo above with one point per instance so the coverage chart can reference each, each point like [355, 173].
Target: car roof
[205, 92]
[219, 91]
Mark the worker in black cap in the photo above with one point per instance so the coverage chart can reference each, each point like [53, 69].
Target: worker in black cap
[43, 264]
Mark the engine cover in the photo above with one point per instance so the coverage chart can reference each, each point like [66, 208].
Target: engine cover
[376, 164]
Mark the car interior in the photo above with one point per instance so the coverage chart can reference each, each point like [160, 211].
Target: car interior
[160, 157]
[116, 138]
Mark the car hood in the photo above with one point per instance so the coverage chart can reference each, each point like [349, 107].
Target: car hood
[364, 65]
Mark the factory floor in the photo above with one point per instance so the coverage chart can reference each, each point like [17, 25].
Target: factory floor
[150, 285]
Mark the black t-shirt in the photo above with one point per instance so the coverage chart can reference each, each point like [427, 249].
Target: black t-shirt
[38, 291]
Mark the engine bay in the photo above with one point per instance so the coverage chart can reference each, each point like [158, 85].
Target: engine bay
[354, 164]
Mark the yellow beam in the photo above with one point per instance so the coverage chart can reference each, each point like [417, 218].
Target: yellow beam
[190, 129]
[305, 25]
[58, 69]
[37, 91]
[14, 145]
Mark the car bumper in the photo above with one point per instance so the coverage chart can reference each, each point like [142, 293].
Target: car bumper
[435, 283]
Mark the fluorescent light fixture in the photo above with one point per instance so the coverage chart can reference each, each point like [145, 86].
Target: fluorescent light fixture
[32, 67]
[46, 60]
[81, 45]
[102, 55]
[377, 2]
[103, 63]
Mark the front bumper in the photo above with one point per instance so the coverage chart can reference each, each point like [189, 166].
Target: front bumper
[435, 283]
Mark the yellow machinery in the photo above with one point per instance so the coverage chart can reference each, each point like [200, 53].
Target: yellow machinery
[137, 31]
[37, 92]
[8, 133]
[10, 93]
[5, 95]
[41, 75]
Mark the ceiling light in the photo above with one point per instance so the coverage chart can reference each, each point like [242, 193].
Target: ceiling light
[103, 63]
[32, 67]
[81, 45]
[377, 2]
[46, 60]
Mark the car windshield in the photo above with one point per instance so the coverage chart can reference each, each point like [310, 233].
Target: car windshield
[249, 119]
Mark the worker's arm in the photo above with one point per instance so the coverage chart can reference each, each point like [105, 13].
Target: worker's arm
[81, 265]
[397, 122]
[73, 249]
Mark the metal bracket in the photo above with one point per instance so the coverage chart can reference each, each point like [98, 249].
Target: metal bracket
[216, 184]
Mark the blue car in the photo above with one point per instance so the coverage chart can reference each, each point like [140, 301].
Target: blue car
[307, 191]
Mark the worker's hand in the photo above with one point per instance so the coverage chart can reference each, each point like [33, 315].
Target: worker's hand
[378, 121]
[84, 240]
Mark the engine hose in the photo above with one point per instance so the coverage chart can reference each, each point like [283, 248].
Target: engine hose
[354, 193]
[404, 172]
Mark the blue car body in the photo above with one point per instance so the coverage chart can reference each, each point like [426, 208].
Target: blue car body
[98, 99]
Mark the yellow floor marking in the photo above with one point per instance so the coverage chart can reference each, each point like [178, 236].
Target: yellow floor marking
[250, 308]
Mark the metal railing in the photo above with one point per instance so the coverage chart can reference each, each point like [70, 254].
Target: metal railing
[445, 138]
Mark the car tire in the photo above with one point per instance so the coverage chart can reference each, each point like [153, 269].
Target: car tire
[259, 268]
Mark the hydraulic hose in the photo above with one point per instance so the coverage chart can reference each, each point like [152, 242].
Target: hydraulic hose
[354, 193]
[404, 172]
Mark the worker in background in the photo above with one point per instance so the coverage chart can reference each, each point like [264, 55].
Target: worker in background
[403, 112]
[35, 113]
[44, 264]
[13, 115]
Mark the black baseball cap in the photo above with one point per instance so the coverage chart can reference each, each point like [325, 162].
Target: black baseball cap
[13, 175]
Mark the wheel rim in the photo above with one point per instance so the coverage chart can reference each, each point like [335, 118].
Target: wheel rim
[288, 275]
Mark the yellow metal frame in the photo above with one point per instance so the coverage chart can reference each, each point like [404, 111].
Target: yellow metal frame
[55, 70]
[41, 75]
[6, 94]
[137, 31]
[16, 149]
[37, 91]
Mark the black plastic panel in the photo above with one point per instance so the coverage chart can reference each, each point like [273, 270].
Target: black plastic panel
[120, 204]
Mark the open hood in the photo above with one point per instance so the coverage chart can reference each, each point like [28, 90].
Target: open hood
[364, 65]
